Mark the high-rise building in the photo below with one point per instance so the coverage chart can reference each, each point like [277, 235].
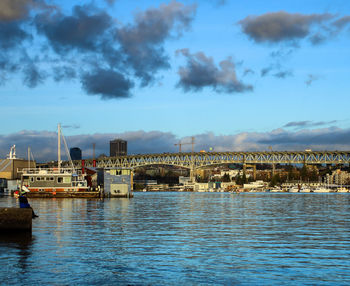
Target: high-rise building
[75, 153]
[118, 147]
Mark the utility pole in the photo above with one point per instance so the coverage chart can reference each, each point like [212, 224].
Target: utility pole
[273, 164]
[93, 154]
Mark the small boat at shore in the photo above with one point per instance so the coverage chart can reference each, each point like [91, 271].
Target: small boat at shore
[342, 190]
[275, 190]
[305, 190]
[322, 190]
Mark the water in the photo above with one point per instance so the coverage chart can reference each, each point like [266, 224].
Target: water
[183, 238]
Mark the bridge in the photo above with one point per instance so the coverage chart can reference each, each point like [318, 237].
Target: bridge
[197, 160]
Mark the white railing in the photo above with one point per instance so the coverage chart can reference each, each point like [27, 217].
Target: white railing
[52, 171]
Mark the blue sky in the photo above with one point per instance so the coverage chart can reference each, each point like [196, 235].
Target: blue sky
[237, 75]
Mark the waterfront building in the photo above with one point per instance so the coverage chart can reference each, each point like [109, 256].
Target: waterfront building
[11, 169]
[75, 153]
[184, 180]
[338, 177]
[118, 147]
[118, 182]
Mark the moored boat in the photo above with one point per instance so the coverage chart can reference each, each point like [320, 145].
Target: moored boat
[342, 190]
[294, 190]
[305, 190]
[322, 190]
[275, 190]
[54, 182]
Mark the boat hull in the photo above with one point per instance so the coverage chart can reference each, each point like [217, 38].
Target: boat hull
[47, 194]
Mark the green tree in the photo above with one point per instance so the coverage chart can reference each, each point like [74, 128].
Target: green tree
[244, 178]
[238, 180]
[226, 178]
[313, 175]
[275, 180]
[304, 173]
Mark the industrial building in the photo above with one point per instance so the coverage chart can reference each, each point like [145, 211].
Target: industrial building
[118, 147]
[11, 170]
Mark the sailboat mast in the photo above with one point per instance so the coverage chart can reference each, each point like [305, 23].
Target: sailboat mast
[59, 147]
[28, 157]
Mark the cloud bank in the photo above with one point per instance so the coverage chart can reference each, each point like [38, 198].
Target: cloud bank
[44, 144]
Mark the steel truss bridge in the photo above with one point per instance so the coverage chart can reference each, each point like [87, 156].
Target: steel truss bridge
[204, 159]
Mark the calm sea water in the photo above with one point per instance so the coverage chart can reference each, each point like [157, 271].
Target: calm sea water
[183, 238]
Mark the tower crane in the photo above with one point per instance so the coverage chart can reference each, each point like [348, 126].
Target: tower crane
[186, 143]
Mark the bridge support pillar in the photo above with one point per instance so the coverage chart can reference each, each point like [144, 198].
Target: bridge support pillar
[251, 166]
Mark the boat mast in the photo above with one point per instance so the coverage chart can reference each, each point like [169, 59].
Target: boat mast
[28, 157]
[59, 147]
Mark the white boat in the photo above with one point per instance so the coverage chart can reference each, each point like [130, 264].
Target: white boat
[322, 190]
[56, 181]
[342, 190]
[305, 190]
[275, 190]
[293, 190]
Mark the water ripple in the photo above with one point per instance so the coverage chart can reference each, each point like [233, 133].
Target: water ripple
[188, 238]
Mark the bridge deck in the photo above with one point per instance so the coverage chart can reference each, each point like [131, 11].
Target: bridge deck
[201, 159]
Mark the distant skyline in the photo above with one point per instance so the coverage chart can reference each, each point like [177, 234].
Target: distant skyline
[236, 75]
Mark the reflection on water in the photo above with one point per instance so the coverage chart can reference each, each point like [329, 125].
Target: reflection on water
[15, 248]
[191, 238]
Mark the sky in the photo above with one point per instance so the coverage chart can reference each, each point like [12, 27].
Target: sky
[237, 75]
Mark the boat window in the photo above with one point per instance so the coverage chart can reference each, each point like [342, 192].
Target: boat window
[38, 178]
[52, 178]
[32, 179]
[60, 180]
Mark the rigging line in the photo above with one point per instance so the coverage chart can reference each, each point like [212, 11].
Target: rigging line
[67, 151]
